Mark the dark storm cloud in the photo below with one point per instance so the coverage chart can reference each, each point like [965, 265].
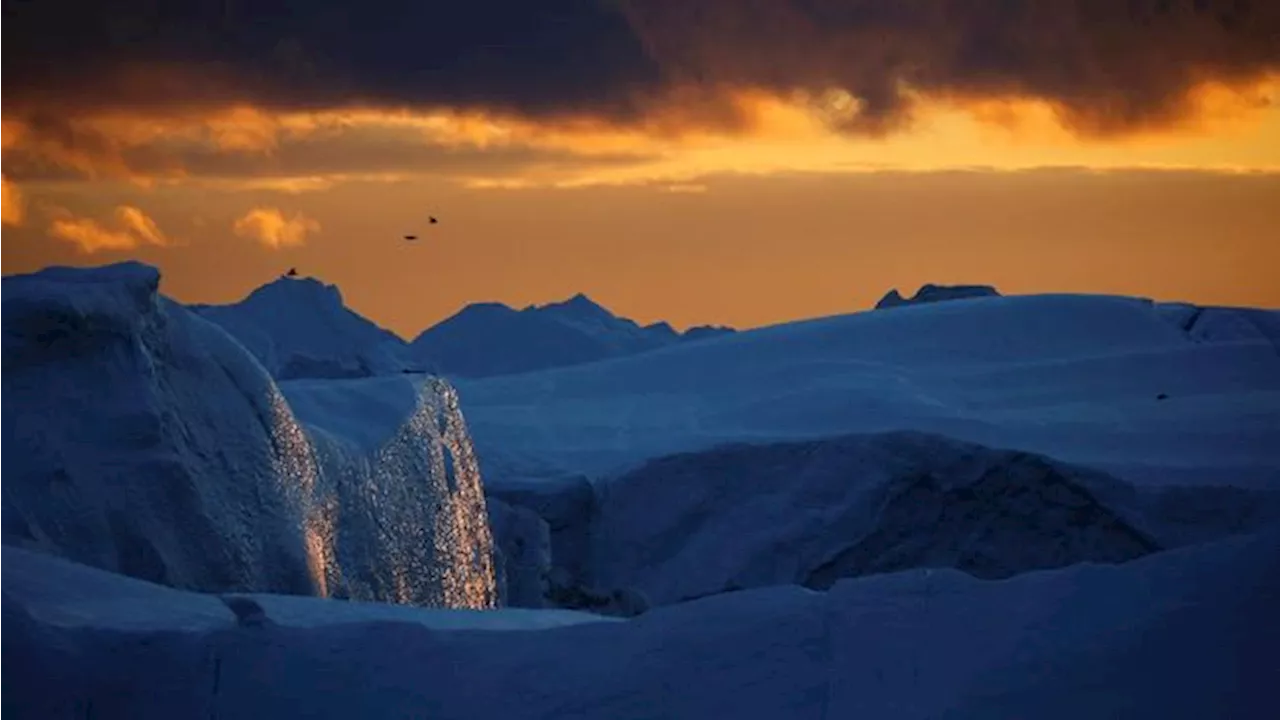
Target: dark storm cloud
[1111, 65]
[532, 56]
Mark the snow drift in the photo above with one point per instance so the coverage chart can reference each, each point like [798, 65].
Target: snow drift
[1181, 634]
[141, 438]
[300, 328]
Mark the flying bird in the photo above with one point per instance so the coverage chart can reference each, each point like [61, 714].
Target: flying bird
[433, 220]
[410, 238]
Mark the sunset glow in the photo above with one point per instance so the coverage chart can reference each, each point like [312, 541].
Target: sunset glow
[179, 164]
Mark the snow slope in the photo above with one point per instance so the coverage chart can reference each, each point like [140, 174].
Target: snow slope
[1079, 378]
[143, 439]
[299, 327]
[811, 513]
[486, 339]
[1182, 634]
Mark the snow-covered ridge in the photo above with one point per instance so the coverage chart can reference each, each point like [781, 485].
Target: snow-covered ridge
[143, 439]
[486, 339]
[300, 328]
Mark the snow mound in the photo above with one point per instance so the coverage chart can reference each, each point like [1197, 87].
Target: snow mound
[1075, 377]
[487, 339]
[1184, 634]
[300, 328]
[931, 293]
[141, 438]
[811, 513]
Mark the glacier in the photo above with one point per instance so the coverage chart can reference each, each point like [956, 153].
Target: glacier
[142, 439]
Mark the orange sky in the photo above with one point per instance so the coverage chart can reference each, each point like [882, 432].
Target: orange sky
[784, 218]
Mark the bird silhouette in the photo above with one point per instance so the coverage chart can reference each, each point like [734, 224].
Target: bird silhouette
[293, 272]
[433, 220]
[411, 238]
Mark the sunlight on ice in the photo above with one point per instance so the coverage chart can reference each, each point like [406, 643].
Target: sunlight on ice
[441, 552]
[419, 497]
[299, 474]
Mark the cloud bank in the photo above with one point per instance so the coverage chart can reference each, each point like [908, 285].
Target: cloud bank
[1110, 65]
[233, 89]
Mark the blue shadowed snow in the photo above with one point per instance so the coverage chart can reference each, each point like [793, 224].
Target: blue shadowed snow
[1183, 634]
[1076, 377]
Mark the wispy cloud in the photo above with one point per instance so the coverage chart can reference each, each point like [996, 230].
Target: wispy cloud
[138, 224]
[132, 229]
[270, 227]
[12, 208]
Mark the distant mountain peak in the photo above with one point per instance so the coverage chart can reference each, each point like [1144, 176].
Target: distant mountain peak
[301, 327]
[579, 305]
[300, 288]
[929, 293]
[486, 339]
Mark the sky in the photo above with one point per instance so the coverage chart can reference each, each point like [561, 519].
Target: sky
[740, 162]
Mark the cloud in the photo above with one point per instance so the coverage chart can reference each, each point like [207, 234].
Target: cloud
[298, 150]
[12, 207]
[1107, 66]
[536, 58]
[270, 227]
[139, 225]
[133, 230]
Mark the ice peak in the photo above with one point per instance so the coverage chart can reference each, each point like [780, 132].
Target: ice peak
[578, 305]
[298, 290]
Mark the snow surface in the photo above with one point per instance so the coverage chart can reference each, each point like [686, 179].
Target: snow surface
[1076, 377]
[64, 594]
[299, 327]
[486, 339]
[814, 512]
[1180, 634]
[143, 439]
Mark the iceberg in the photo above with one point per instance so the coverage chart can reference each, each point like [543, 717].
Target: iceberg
[142, 439]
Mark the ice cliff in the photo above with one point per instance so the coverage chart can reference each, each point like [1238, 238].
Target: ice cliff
[142, 439]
